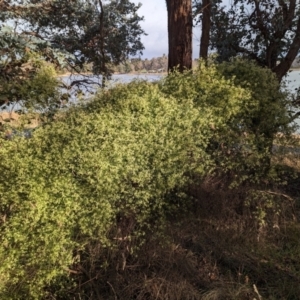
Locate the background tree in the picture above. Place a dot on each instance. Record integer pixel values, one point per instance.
(206, 10)
(180, 24)
(24, 74)
(267, 31)
(95, 32)
(202, 10)
(137, 64)
(162, 62)
(147, 64)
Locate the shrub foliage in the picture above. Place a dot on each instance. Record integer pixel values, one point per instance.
(104, 171)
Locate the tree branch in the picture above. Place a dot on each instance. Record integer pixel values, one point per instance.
(291, 12)
(285, 65)
(249, 54)
(260, 23)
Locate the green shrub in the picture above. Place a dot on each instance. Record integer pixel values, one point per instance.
(265, 116)
(268, 115)
(104, 172)
(248, 115)
(70, 184)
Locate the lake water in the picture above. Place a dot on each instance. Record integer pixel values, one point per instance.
(119, 78)
(293, 79)
(293, 82)
(89, 83)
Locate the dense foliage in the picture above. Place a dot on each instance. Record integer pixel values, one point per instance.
(67, 35)
(266, 31)
(32, 85)
(268, 111)
(111, 170)
(77, 177)
(244, 132)
(24, 75)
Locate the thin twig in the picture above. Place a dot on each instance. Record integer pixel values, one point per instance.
(116, 298)
(256, 291)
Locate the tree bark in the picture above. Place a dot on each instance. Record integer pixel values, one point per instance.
(204, 43)
(101, 45)
(180, 25)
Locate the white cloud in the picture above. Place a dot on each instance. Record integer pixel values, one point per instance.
(155, 25)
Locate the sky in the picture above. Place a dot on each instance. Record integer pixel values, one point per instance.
(155, 25)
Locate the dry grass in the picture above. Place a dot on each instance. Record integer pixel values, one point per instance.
(212, 254)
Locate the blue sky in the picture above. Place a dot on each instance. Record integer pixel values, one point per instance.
(155, 25)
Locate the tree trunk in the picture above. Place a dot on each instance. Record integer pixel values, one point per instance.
(206, 12)
(180, 25)
(104, 70)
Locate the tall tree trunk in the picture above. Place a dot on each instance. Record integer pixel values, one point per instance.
(180, 25)
(206, 12)
(101, 42)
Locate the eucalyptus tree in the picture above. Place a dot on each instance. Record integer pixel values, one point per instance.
(206, 7)
(180, 23)
(24, 74)
(202, 13)
(267, 31)
(100, 33)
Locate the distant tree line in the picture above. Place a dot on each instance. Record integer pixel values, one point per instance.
(133, 65)
(153, 65)
(139, 65)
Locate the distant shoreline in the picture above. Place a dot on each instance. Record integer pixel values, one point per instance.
(116, 73)
(134, 73)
